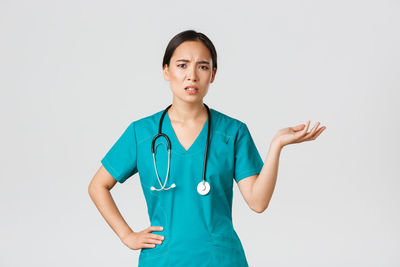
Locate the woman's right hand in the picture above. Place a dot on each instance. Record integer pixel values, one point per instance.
(143, 239)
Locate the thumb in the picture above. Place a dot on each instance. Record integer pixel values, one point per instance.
(299, 127)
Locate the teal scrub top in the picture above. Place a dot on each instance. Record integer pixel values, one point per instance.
(198, 229)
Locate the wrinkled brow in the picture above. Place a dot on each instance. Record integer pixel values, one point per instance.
(200, 61)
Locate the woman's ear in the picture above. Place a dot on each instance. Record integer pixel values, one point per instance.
(166, 72)
(213, 75)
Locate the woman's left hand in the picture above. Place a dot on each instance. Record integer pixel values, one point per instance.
(297, 134)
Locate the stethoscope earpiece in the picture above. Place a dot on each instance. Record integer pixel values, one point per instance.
(203, 187)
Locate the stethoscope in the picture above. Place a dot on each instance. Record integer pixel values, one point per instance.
(203, 187)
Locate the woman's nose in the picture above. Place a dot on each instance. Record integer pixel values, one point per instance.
(192, 75)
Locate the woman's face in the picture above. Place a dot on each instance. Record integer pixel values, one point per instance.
(190, 65)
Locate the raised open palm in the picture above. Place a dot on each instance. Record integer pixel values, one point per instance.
(298, 134)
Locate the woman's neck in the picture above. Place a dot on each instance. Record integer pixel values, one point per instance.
(184, 111)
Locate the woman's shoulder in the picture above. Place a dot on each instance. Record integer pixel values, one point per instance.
(145, 126)
(149, 119)
(225, 123)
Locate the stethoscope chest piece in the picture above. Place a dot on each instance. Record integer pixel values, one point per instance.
(203, 188)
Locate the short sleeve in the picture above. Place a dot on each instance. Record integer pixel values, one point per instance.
(121, 160)
(248, 161)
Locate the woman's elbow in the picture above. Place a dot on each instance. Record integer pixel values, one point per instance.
(259, 209)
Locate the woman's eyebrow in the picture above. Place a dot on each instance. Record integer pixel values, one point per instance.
(200, 61)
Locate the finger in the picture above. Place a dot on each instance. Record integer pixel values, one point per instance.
(307, 126)
(313, 131)
(145, 245)
(320, 130)
(153, 241)
(159, 237)
(298, 127)
(304, 132)
(155, 228)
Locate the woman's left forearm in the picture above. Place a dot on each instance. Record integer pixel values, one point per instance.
(264, 185)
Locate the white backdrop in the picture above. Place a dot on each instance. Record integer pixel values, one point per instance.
(74, 74)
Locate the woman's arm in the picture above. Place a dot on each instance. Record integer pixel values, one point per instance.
(99, 191)
(257, 190)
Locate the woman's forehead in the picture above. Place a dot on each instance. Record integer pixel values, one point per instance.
(192, 49)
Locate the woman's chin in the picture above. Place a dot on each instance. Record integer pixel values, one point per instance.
(192, 99)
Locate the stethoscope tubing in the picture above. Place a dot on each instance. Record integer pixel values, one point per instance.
(160, 134)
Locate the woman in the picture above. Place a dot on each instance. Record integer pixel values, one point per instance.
(188, 189)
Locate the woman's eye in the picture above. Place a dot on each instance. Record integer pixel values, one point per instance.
(183, 65)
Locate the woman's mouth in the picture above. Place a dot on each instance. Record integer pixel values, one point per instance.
(191, 90)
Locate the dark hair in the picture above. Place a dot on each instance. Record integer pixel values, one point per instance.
(189, 35)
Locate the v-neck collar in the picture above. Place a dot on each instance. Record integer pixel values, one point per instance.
(198, 144)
